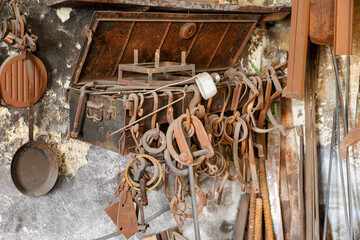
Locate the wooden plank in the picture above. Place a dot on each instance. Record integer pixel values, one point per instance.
(242, 215)
(311, 182)
(289, 151)
(273, 179)
(298, 48)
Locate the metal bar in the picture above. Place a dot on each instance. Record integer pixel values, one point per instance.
(165, 35)
(193, 203)
(343, 109)
(340, 107)
(298, 48)
(346, 117)
(174, 20)
(217, 47)
(332, 145)
(347, 83)
(344, 14)
(124, 47)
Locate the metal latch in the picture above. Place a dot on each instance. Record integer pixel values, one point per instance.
(94, 111)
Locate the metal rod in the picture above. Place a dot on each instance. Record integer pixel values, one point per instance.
(193, 203)
(329, 174)
(346, 117)
(337, 88)
(347, 86)
(339, 101)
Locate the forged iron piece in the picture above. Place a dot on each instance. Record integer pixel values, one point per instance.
(127, 222)
(156, 215)
(187, 156)
(171, 165)
(258, 219)
(252, 214)
(140, 208)
(151, 184)
(150, 135)
(193, 203)
(211, 145)
(266, 202)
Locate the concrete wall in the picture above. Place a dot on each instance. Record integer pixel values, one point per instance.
(74, 209)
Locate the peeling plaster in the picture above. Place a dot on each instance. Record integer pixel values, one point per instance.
(63, 14)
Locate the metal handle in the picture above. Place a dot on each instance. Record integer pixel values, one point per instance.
(31, 98)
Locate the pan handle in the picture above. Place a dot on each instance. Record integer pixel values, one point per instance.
(31, 98)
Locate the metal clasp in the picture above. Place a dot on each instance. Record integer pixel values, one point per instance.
(94, 111)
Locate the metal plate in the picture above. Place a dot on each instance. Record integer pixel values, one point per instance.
(14, 80)
(216, 44)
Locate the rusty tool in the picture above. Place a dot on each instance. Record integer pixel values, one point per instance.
(34, 167)
(127, 222)
(156, 215)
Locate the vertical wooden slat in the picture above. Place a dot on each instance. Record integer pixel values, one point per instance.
(298, 48)
(289, 151)
(311, 182)
(344, 14)
(242, 215)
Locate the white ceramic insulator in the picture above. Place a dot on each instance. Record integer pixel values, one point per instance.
(206, 85)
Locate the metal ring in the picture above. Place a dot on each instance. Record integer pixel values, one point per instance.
(172, 167)
(171, 149)
(154, 161)
(151, 133)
